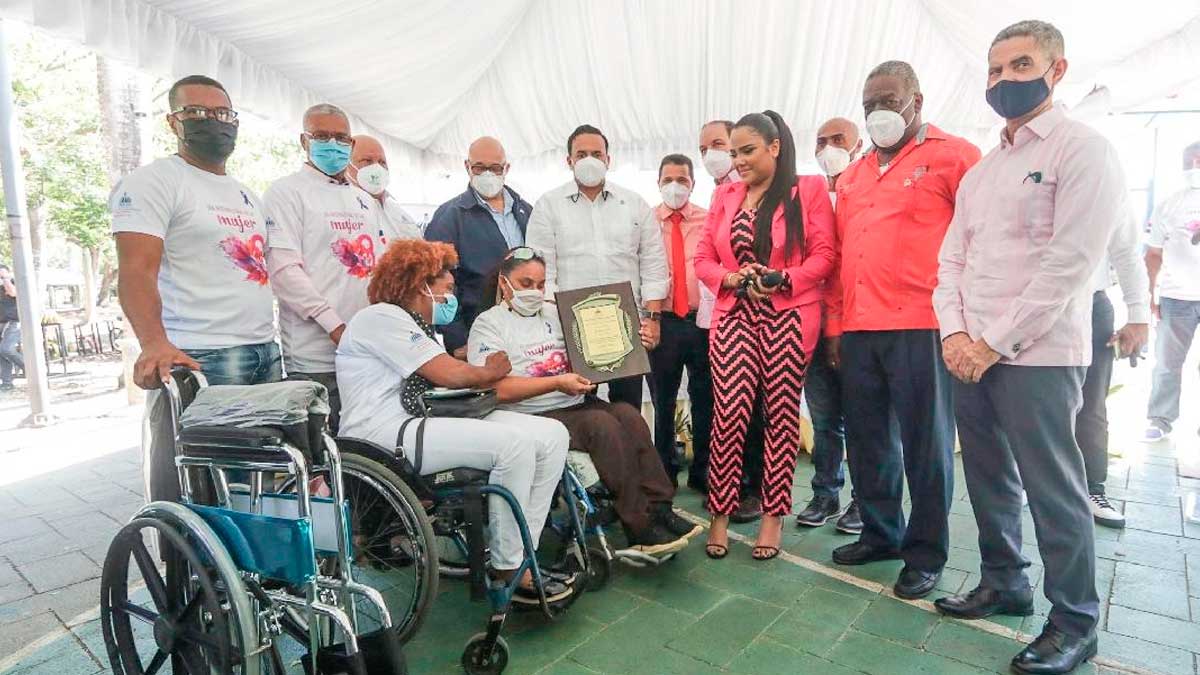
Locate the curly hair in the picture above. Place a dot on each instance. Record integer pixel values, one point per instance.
(406, 266)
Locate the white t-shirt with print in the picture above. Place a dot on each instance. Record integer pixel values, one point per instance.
(213, 277)
(335, 227)
(381, 348)
(534, 345)
(1175, 223)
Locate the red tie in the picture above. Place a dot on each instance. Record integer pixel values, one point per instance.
(679, 295)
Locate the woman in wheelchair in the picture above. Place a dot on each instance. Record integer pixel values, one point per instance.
(614, 435)
(389, 350)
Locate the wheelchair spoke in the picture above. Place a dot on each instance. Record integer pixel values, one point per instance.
(191, 604)
(160, 657)
(154, 581)
(138, 611)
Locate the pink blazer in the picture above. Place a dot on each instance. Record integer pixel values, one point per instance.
(808, 269)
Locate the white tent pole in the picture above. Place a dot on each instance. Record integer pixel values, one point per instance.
(28, 295)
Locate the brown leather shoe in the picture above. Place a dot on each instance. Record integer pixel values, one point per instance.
(748, 510)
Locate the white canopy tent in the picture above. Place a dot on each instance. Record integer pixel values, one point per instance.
(428, 76)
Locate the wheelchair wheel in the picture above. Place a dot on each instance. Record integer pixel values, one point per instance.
(478, 659)
(394, 548)
(599, 568)
(184, 620)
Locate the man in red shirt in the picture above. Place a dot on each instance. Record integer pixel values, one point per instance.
(893, 208)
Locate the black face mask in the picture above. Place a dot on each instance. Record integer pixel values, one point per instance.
(1012, 99)
(209, 140)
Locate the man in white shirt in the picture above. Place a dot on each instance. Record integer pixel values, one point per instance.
(325, 235)
(1091, 424)
(190, 242)
(369, 170)
(592, 232)
(1173, 260)
(191, 274)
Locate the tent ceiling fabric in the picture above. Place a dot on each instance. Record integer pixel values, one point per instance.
(431, 75)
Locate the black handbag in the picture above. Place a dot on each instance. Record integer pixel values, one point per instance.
(470, 403)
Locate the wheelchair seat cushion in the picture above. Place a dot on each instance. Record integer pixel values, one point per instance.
(456, 478)
(252, 438)
(296, 411)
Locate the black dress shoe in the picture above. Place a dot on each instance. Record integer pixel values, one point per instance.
(914, 583)
(1054, 652)
(982, 602)
(819, 511)
(748, 510)
(859, 553)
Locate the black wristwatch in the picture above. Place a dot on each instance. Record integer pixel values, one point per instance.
(654, 316)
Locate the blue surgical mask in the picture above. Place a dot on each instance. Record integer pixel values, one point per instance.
(330, 157)
(444, 311)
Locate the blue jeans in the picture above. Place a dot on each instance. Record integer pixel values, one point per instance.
(246, 364)
(823, 392)
(900, 425)
(10, 356)
(1175, 331)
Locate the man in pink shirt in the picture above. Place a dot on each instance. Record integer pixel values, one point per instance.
(1032, 222)
(682, 344)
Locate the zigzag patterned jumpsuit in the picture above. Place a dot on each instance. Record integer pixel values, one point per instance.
(757, 348)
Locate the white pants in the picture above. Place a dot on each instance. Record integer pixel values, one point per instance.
(524, 453)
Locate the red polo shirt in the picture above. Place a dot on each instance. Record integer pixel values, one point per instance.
(890, 228)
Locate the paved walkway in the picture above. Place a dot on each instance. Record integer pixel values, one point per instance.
(65, 490)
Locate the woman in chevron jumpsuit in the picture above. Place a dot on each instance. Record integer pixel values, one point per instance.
(767, 250)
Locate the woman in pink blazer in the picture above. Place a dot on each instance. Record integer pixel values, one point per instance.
(767, 249)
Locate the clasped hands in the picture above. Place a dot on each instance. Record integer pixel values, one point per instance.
(967, 359)
(754, 272)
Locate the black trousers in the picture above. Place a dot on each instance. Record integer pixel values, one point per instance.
(900, 425)
(1091, 424)
(684, 345)
(626, 390)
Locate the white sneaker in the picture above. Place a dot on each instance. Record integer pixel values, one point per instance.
(1154, 434)
(1104, 513)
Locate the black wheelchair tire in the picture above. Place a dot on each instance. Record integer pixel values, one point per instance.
(473, 661)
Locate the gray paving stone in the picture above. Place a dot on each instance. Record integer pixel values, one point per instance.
(51, 573)
(1144, 548)
(1154, 518)
(91, 528)
(45, 545)
(1151, 590)
(1155, 474)
(14, 591)
(1160, 630)
(1193, 572)
(44, 493)
(8, 573)
(70, 603)
(15, 636)
(12, 529)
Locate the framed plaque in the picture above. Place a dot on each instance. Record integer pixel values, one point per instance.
(600, 326)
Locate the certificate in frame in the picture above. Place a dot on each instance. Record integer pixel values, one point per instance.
(600, 326)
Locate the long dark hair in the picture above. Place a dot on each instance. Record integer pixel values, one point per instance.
(489, 296)
(771, 126)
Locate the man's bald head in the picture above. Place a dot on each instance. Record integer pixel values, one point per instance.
(839, 132)
(486, 150)
(367, 150)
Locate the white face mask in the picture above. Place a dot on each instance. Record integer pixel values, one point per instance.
(833, 160)
(527, 302)
(675, 194)
(1192, 176)
(589, 171)
(487, 184)
(373, 178)
(886, 127)
(718, 163)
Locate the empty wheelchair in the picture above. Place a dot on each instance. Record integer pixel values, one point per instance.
(251, 574)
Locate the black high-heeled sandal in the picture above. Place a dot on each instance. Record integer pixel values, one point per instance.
(716, 551)
(773, 552)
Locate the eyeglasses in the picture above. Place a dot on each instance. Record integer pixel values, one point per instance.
(521, 253)
(325, 136)
(199, 112)
(479, 169)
